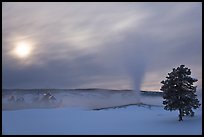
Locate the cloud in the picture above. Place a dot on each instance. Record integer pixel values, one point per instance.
(96, 44)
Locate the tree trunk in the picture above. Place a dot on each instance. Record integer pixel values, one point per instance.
(192, 113)
(180, 115)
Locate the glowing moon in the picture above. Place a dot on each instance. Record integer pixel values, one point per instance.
(22, 49)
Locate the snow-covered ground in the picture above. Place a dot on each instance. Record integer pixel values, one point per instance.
(130, 120)
(74, 115)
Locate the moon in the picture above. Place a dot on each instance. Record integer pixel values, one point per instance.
(22, 50)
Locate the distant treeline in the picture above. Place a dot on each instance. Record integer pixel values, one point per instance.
(154, 93)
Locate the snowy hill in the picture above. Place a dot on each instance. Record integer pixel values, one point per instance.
(92, 111)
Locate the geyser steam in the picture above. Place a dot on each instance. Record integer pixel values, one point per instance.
(135, 61)
(136, 70)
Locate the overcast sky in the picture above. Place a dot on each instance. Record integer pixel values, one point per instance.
(100, 45)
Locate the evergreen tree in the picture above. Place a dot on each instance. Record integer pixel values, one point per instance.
(179, 92)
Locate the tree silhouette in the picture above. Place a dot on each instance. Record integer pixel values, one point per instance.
(179, 92)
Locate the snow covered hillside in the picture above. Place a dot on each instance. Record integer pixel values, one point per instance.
(79, 112)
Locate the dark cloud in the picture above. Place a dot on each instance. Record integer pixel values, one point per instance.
(100, 44)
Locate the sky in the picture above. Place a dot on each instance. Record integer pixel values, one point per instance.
(123, 45)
